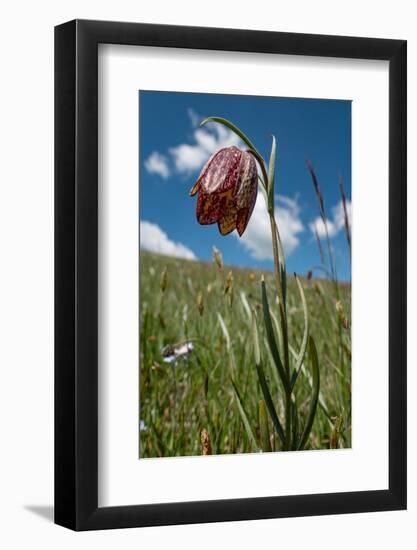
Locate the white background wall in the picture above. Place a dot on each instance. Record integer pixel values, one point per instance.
(26, 271)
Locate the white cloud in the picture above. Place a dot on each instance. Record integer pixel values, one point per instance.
(157, 164)
(318, 226)
(257, 237)
(339, 215)
(194, 117)
(335, 225)
(207, 140)
(154, 239)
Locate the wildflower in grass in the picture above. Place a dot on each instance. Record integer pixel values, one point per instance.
(174, 352)
(227, 188)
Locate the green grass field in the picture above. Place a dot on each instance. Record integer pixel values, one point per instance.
(185, 301)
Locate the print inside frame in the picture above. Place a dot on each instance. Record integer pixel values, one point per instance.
(197, 347)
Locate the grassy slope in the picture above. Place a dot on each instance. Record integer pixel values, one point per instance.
(178, 402)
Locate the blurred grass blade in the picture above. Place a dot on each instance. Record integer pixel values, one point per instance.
(271, 338)
(234, 129)
(319, 244)
(256, 349)
(317, 190)
(303, 348)
(284, 283)
(309, 379)
(244, 416)
(224, 330)
(245, 304)
(277, 330)
(271, 175)
(263, 427)
(315, 397)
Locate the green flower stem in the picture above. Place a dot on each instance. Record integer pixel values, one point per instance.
(276, 246)
(282, 309)
(276, 258)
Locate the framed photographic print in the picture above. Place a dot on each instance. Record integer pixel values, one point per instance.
(230, 235)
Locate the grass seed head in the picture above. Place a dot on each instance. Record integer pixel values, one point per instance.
(205, 442)
(200, 303)
(217, 257)
(341, 314)
(228, 289)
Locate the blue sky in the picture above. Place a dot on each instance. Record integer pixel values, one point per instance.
(173, 149)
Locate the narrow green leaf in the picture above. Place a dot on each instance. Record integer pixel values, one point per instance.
(278, 334)
(271, 175)
(256, 349)
(294, 423)
(277, 379)
(309, 379)
(234, 129)
(270, 405)
(303, 347)
(277, 331)
(271, 338)
(244, 416)
(263, 427)
(315, 397)
(263, 383)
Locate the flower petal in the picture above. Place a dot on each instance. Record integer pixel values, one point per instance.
(242, 220)
(195, 188)
(227, 223)
(197, 184)
(223, 171)
(210, 207)
(248, 181)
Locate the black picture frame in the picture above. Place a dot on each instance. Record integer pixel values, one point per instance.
(76, 272)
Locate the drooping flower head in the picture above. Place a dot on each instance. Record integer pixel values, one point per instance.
(227, 187)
